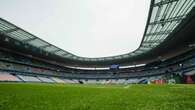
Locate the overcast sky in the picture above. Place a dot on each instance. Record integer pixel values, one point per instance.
(88, 28)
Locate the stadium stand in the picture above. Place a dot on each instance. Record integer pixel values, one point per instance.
(46, 79)
(183, 63)
(69, 81)
(57, 80)
(4, 76)
(28, 78)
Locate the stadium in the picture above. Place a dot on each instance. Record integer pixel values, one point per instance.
(158, 75)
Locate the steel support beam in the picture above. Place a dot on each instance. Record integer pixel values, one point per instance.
(163, 2)
(158, 33)
(45, 46)
(28, 40)
(163, 21)
(9, 30)
(56, 51)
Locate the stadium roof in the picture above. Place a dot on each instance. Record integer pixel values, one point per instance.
(164, 16)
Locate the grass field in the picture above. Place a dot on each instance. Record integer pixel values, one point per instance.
(21, 96)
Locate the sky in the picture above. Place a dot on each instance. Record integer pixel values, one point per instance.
(87, 28)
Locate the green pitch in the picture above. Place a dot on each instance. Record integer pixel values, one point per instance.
(21, 96)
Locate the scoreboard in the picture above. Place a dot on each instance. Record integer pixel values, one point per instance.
(114, 67)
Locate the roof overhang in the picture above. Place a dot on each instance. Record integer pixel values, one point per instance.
(163, 19)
